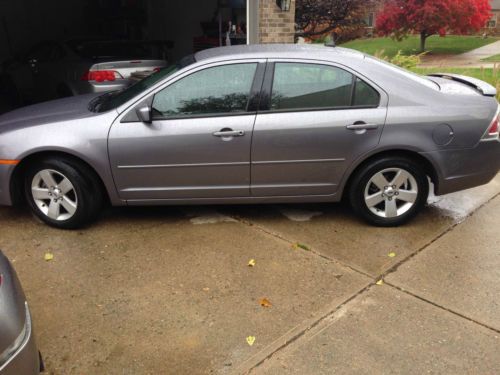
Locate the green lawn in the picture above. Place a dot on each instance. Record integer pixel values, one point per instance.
(489, 75)
(449, 45)
(495, 58)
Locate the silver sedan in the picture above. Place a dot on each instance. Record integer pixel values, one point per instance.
(255, 124)
(18, 352)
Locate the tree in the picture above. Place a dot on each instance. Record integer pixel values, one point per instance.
(399, 18)
(319, 17)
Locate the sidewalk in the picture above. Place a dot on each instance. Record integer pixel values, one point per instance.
(438, 312)
(471, 59)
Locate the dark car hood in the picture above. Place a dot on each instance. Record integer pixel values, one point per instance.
(49, 112)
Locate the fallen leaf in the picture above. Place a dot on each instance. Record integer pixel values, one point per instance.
(391, 255)
(380, 282)
(264, 302)
(48, 257)
(250, 340)
(301, 246)
(251, 263)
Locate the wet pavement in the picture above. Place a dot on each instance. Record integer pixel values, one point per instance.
(169, 290)
(471, 59)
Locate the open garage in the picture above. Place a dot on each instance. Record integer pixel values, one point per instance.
(43, 44)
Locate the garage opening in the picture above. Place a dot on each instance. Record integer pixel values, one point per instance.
(54, 48)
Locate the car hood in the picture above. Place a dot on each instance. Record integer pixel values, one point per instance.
(49, 112)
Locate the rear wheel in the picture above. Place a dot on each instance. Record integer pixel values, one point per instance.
(389, 191)
(63, 193)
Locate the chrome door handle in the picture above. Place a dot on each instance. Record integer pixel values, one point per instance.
(362, 126)
(229, 133)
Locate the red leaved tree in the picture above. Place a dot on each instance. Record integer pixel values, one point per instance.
(399, 18)
(319, 17)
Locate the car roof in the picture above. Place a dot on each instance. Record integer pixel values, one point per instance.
(309, 51)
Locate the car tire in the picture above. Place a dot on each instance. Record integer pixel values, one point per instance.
(389, 191)
(63, 193)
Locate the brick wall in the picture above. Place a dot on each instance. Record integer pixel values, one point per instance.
(276, 26)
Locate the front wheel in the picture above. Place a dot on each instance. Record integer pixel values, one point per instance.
(389, 192)
(62, 193)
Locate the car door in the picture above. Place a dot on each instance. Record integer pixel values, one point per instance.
(315, 120)
(198, 144)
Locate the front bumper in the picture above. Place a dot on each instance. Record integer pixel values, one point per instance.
(26, 360)
(465, 169)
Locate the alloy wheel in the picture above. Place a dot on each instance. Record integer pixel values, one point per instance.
(54, 195)
(391, 192)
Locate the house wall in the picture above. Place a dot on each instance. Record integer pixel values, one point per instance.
(496, 29)
(276, 26)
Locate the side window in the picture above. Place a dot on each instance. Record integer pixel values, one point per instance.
(302, 86)
(218, 90)
(365, 95)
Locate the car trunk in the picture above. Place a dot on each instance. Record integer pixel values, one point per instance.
(458, 84)
(126, 67)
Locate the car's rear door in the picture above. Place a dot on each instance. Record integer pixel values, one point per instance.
(198, 145)
(316, 118)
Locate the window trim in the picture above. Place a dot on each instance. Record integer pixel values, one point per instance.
(267, 89)
(146, 96)
(209, 115)
(256, 84)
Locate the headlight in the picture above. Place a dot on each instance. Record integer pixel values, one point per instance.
(23, 337)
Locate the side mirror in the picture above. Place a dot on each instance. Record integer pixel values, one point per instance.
(144, 113)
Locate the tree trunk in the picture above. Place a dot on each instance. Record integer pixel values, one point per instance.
(423, 38)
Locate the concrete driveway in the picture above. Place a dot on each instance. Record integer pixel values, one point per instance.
(169, 290)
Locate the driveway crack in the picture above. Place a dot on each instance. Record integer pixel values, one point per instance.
(442, 307)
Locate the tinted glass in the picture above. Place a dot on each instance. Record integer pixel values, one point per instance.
(398, 70)
(219, 90)
(365, 95)
(301, 86)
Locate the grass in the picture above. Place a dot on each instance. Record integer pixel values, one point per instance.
(490, 75)
(449, 45)
(495, 58)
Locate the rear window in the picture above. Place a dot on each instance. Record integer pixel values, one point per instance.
(409, 75)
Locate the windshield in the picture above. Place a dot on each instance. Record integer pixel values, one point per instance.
(115, 99)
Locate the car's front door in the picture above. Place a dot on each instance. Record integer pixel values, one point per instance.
(198, 144)
(316, 121)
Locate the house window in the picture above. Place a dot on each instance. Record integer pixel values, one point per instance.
(370, 19)
(492, 23)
